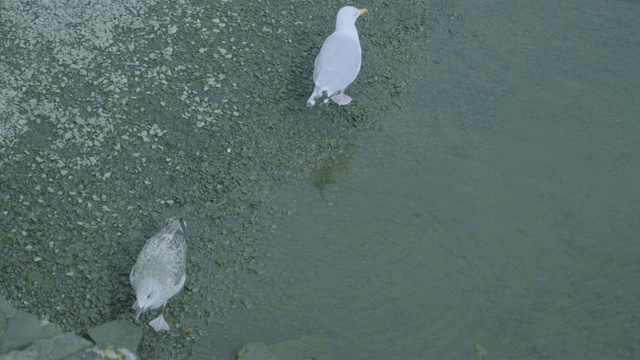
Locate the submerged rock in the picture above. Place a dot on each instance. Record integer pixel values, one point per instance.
(307, 347)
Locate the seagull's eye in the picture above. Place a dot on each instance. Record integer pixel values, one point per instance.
(148, 296)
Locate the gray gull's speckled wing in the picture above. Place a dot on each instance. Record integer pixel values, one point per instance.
(159, 272)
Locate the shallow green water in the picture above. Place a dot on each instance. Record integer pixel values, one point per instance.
(495, 215)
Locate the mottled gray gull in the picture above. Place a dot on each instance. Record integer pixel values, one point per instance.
(159, 272)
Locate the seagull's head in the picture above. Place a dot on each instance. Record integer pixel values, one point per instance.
(348, 15)
(147, 297)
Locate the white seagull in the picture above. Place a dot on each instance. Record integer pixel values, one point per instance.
(338, 62)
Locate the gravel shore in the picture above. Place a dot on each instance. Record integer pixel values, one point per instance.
(115, 115)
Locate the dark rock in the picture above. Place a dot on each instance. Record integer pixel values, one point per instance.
(56, 348)
(22, 329)
(120, 333)
(6, 310)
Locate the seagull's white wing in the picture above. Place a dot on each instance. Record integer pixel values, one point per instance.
(338, 62)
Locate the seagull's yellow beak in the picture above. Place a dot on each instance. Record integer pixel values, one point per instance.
(363, 11)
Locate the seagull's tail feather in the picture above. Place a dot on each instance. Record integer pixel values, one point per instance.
(317, 92)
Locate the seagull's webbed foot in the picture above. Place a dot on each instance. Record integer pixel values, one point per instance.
(159, 324)
(341, 98)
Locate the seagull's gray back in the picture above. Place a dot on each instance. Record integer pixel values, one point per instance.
(163, 260)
